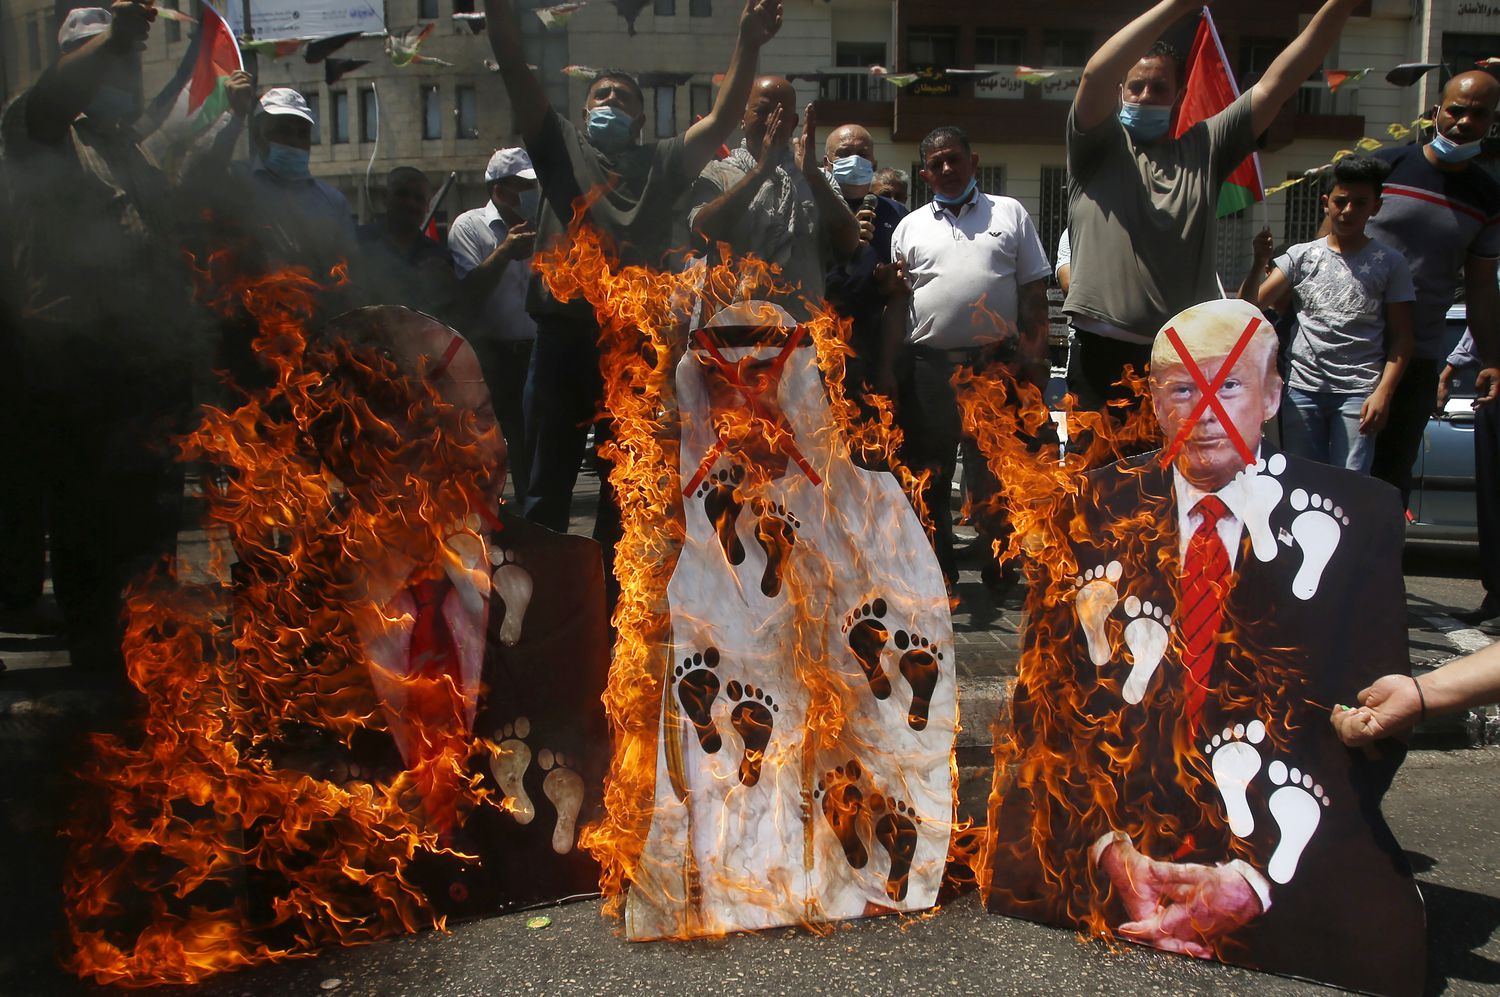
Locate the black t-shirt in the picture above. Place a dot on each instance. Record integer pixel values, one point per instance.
(639, 214)
(850, 286)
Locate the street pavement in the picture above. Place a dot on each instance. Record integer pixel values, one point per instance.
(1444, 807)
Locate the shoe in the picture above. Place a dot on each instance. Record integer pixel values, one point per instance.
(1488, 610)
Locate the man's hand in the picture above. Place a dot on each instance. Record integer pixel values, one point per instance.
(1263, 247)
(866, 219)
(519, 241)
(239, 87)
(131, 25)
(1444, 380)
(890, 280)
(1207, 903)
(759, 22)
(807, 144)
(1487, 386)
(1391, 706)
(1374, 413)
(778, 131)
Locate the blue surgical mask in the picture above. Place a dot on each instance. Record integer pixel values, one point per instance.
(1449, 151)
(949, 202)
(286, 161)
(527, 201)
(1146, 122)
(852, 171)
(113, 106)
(609, 128)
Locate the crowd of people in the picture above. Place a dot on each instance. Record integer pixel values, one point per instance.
(105, 356)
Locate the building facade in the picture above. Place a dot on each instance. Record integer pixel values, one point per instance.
(449, 119)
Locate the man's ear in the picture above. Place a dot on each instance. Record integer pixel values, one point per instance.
(974, 161)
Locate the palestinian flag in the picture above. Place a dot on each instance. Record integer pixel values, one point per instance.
(1211, 88)
(194, 98)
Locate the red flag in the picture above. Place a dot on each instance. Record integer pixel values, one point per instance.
(218, 56)
(1211, 88)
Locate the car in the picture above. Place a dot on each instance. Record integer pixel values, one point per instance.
(1442, 504)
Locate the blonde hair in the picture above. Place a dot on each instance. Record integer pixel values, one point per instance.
(1211, 330)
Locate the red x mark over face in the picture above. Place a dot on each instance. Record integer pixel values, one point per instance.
(759, 398)
(1210, 395)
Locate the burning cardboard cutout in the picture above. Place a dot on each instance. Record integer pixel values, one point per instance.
(1168, 775)
(803, 770)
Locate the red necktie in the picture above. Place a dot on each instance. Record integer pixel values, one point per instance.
(1205, 585)
(433, 651)
(433, 707)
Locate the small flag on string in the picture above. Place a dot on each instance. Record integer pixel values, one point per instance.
(1489, 63)
(278, 48)
(1408, 73)
(581, 72)
(1336, 78)
(335, 69)
(559, 15)
(321, 48)
(404, 48)
(897, 80)
(176, 15)
(1030, 74)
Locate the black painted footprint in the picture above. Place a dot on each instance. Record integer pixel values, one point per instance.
(919, 666)
(721, 504)
(867, 639)
(896, 830)
(697, 687)
(776, 529)
(842, 803)
(752, 719)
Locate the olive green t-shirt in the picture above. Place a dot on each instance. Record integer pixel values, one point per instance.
(639, 214)
(1141, 217)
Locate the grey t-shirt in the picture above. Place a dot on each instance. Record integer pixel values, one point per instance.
(1339, 341)
(780, 226)
(1142, 216)
(638, 214)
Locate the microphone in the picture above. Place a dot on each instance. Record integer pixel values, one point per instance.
(869, 201)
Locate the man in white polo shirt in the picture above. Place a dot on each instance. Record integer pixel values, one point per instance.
(491, 247)
(977, 276)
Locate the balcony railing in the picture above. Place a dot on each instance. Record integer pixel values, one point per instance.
(1314, 97)
(854, 84)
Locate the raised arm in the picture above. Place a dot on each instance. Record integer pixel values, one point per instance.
(759, 23)
(65, 89)
(1296, 63)
(528, 101)
(1484, 322)
(1098, 95)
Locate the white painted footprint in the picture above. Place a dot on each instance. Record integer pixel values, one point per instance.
(513, 586)
(564, 788)
(1235, 763)
(1146, 637)
(1262, 494)
(1297, 807)
(509, 760)
(1097, 598)
(465, 566)
(1317, 531)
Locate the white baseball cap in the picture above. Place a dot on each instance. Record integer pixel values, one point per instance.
(509, 163)
(81, 24)
(285, 100)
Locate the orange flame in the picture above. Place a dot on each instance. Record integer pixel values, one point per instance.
(208, 842)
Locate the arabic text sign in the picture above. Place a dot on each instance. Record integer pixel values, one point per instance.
(271, 20)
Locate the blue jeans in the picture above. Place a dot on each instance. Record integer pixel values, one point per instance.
(1324, 426)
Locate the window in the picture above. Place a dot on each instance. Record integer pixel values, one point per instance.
(427, 10)
(315, 107)
(467, 111)
(701, 97)
(338, 119)
(1066, 48)
(174, 30)
(999, 48)
(991, 179)
(1304, 210)
(1255, 55)
(665, 111)
(463, 7)
(854, 86)
(932, 48)
(369, 116)
(920, 193)
(665, 8)
(1053, 216)
(432, 112)
(1232, 254)
(700, 8)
